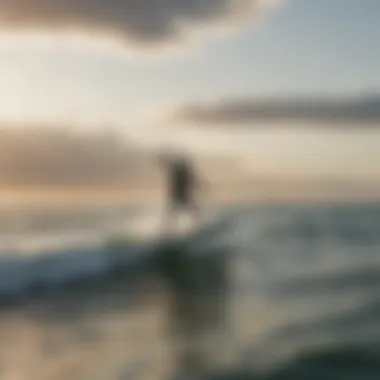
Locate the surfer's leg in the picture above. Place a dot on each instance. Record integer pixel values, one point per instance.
(168, 219)
(194, 211)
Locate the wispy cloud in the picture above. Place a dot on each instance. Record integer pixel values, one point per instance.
(148, 22)
(339, 111)
(38, 156)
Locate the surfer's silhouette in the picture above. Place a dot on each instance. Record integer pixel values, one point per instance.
(182, 185)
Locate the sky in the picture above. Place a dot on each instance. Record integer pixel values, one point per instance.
(130, 65)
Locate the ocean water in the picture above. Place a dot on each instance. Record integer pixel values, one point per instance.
(303, 299)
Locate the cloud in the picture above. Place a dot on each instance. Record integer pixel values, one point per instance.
(138, 21)
(39, 156)
(366, 109)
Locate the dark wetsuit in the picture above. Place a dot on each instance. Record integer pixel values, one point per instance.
(181, 183)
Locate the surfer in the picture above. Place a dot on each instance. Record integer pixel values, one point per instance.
(182, 183)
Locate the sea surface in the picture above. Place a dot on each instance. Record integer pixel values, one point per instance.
(303, 299)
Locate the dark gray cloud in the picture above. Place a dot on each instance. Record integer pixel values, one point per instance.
(366, 109)
(141, 21)
(38, 156)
